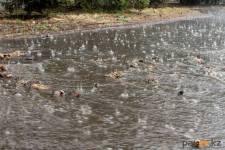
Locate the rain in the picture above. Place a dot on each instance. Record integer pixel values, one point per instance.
(135, 87)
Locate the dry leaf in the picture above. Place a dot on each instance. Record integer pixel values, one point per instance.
(177, 72)
(152, 80)
(115, 74)
(6, 75)
(2, 68)
(58, 93)
(40, 86)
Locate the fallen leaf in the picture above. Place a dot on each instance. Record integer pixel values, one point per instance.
(152, 80)
(40, 86)
(177, 72)
(115, 74)
(2, 68)
(6, 75)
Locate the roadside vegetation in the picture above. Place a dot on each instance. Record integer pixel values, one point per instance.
(22, 18)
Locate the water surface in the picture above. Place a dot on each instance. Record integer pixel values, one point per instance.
(126, 113)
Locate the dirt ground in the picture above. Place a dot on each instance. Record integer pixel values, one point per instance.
(58, 21)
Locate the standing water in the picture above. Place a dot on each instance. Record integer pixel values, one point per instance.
(124, 113)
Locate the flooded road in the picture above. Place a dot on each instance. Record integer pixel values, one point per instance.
(124, 113)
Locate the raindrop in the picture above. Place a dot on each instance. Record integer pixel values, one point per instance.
(71, 69)
(18, 95)
(28, 53)
(82, 47)
(172, 55)
(39, 54)
(55, 41)
(111, 52)
(124, 95)
(117, 112)
(7, 133)
(95, 48)
(52, 53)
(160, 60)
(59, 53)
